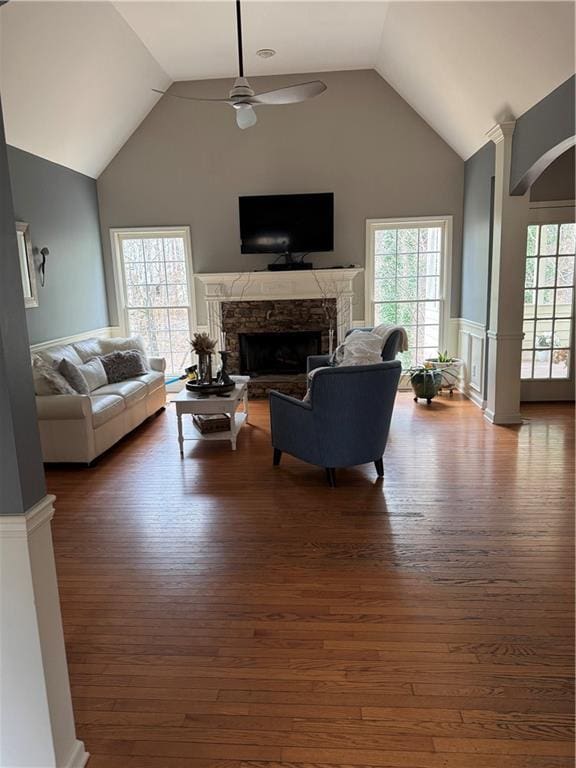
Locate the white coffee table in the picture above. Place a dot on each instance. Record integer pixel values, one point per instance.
(192, 403)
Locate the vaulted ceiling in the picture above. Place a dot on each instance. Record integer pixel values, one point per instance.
(76, 77)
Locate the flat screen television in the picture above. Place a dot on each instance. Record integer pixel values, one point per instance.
(287, 224)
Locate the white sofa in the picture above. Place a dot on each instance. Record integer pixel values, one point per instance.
(78, 428)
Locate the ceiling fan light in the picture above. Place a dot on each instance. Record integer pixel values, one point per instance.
(245, 116)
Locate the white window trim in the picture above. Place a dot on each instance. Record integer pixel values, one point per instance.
(118, 266)
(372, 225)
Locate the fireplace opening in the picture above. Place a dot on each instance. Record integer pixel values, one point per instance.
(263, 354)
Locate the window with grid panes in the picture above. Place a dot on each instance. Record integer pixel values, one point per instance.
(408, 286)
(548, 301)
(156, 294)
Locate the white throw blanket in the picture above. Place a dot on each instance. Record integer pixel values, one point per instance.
(365, 347)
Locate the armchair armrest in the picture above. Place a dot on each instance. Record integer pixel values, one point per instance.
(157, 364)
(316, 361)
(60, 407)
(280, 396)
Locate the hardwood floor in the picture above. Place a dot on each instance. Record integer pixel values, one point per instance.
(220, 612)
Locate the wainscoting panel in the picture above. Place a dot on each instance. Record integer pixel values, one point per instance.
(100, 333)
(471, 347)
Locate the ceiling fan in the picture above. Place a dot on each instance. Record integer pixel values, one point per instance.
(243, 99)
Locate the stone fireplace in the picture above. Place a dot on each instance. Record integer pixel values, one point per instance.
(270, 340)
(279, 306)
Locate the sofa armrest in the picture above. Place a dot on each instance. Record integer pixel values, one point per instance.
(61, 407)
(157, 364)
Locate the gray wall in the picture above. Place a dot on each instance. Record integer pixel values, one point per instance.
(188, 163)
(21, 471)
(547, 125)
(478, 173)
(558, 180)
(61, 207)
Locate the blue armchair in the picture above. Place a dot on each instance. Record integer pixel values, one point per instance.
(389, 351)
(344, 422)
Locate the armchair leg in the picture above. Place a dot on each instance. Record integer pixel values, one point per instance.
(277, 457)
(331, 476)
(379, 464)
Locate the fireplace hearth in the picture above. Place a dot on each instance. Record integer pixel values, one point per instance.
(283, 352)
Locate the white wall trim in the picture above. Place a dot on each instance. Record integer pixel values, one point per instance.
(37, 716)
(472, 351)
(102, 333)
(20, 526)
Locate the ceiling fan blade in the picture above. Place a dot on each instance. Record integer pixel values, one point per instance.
(290, 95)
(190, 98)
(245, 116)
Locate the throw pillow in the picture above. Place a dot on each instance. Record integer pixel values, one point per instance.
(123, 345)
(94, 373)
(120, 366)
(73, 376)
(48, 381)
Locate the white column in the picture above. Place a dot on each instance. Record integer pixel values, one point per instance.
(36, 717)
(507, 288)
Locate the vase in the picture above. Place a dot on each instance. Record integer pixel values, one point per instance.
(426, 384)
(223, 377)
(205, 368)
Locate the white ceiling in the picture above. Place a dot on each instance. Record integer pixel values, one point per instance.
(76, 77)
(75, 81)
(467, 65)
(197, 40)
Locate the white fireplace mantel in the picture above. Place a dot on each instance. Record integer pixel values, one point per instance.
(277, 286)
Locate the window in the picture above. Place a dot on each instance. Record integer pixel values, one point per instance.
(153, 277)
(407, 281)
(548, 301)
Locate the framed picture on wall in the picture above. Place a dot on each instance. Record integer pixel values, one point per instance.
(27, 266)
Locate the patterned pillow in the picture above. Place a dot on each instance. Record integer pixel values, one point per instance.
(120, 366)
(48, 381)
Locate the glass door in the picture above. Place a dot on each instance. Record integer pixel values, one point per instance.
(548, 346)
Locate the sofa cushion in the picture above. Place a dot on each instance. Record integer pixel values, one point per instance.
(121, 345)
(131, 390)
(87, 349)
(153, 380)
(105, 407)
(53, 355)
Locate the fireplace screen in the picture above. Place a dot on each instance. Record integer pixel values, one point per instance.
(263, 354)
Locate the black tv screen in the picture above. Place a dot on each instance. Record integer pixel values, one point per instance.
(287, 223)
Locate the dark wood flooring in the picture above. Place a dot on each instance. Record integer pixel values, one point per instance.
(222, 613)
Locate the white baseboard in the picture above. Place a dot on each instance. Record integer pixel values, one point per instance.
(102, 333)
(78, 757)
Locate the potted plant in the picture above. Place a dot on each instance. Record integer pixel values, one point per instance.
(426, 380)
(450, 368)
